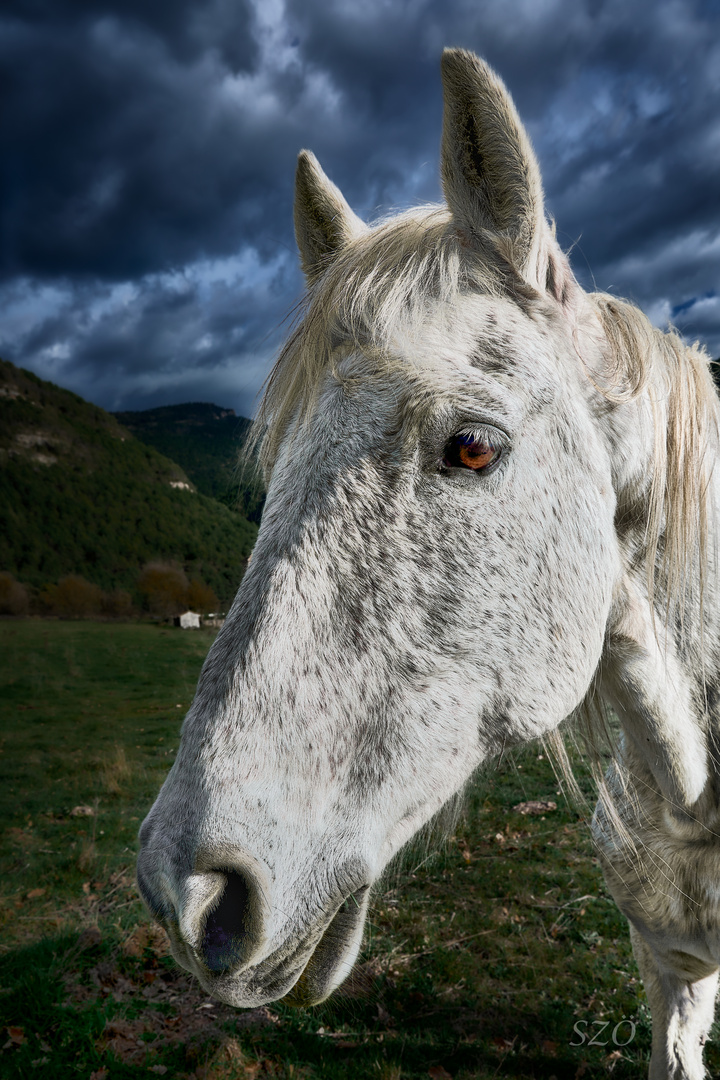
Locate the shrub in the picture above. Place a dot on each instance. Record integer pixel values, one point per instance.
(117, 604)
(201, 598)
(72, 598)
(13, 596)
(164, 588)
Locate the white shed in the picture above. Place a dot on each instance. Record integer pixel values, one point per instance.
(189, 620)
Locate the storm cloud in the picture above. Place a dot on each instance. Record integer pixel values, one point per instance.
(148, 154)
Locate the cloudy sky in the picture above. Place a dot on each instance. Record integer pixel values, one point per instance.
(148, 151)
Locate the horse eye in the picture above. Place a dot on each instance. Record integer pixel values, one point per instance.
(472, 450)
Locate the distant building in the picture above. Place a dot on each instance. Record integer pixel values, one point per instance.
(189, 620)
(215, 619)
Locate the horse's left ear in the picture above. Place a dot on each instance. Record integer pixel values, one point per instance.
(324, 223)
(490, 175)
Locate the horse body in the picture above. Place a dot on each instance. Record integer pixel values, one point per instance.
(490, 501)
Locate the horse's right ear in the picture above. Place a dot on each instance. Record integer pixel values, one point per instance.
(324, 223)
(490, 175)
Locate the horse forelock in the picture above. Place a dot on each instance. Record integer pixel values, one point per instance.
(385, 278)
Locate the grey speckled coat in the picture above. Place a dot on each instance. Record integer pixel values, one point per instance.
(491, 501)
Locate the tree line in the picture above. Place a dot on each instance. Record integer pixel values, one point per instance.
(162, 589)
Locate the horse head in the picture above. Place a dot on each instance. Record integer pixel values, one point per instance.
(435, 570)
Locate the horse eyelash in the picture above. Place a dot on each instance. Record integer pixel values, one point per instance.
(487, 431)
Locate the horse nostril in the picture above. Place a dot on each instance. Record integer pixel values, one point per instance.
(227, 926)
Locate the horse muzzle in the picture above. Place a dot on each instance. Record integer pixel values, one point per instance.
(223, 928)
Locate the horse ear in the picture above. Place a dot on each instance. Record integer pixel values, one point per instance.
(324, 223)
(490, 174)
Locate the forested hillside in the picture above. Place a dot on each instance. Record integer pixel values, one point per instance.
(206, 441)
(80, 495)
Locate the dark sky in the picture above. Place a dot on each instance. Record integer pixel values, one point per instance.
(148, 150)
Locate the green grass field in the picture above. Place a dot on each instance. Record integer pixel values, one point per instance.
(494, 953)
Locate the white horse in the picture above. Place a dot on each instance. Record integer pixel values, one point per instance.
(490, 503)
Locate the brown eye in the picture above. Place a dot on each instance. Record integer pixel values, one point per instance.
(472, 450)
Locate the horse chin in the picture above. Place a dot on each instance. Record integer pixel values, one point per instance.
(332, 958)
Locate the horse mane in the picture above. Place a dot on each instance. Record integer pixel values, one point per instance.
(670, 513)
(686, 418)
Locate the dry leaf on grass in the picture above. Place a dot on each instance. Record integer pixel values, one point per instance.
(503, 1044)
(89, 938)
(229, 1061)
(384, 1016)
(536, 806)
(19, 836)
(123, 1039)
(147, 936)
(259, 1017)
(17, 1037)
(436, 1072)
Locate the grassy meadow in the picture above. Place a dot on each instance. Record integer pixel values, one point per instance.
(493, 953)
